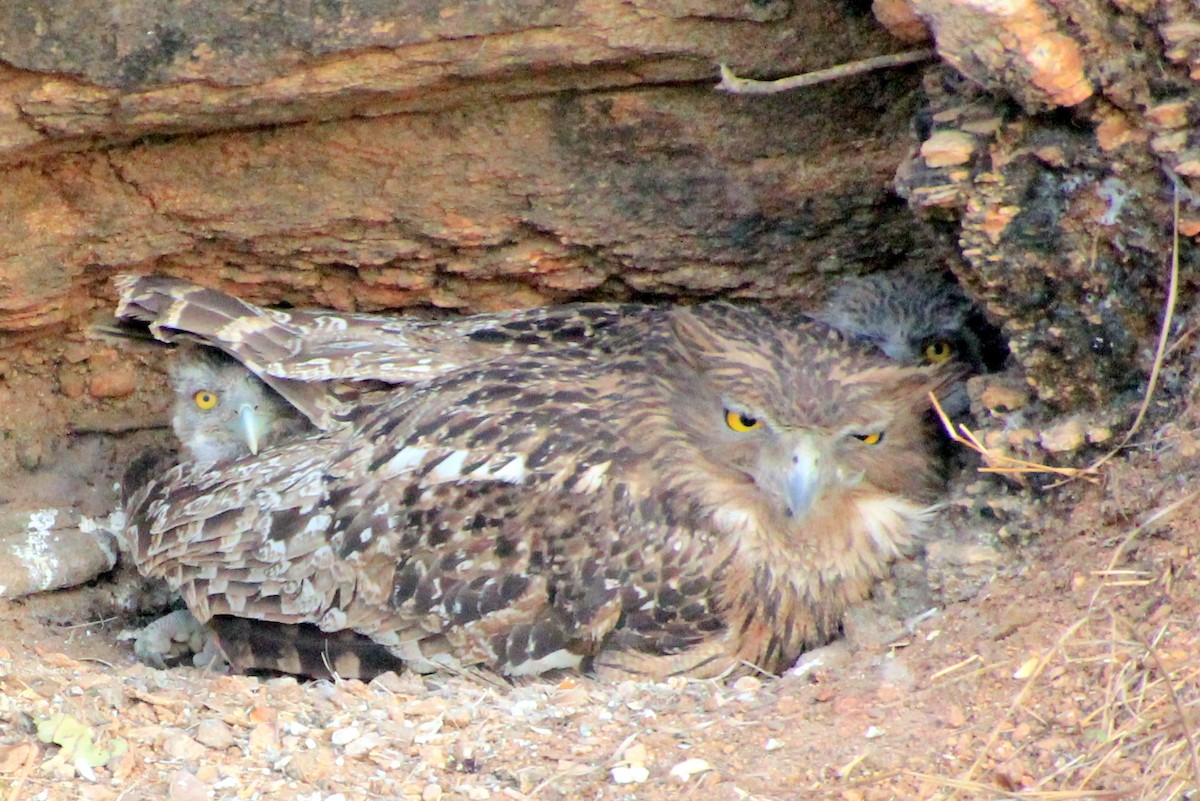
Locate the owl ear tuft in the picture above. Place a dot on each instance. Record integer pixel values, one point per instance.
(715, 333)
(693, 332)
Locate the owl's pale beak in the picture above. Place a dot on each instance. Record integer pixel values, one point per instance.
(252, 425)
(804, 476)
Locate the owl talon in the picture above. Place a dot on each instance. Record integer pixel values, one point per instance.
(171, 639)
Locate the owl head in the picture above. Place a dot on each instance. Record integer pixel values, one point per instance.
(790, 422)
(913, 318)
(223, 411)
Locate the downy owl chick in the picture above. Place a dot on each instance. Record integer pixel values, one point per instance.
(913, 318)
(223, 411)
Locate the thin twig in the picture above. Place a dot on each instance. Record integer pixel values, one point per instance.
(956, 666)
(746, 86)
(995, 462)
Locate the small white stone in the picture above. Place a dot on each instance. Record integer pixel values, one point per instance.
(523, 708)
(630, 774)
(1027, 668)
(772, 744)
(363, 744)
(747, 684)
(689, 768)
(344, 736)
(873, 732)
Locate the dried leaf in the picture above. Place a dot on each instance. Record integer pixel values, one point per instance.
(13, 757)
(77, 743)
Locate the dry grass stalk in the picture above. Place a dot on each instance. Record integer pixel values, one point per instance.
(1139, 741)
(946, 671)
(994, 461)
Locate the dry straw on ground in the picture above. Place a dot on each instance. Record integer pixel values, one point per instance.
(1140, 731)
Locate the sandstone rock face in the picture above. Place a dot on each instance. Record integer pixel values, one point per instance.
(463, 156)
(368, 155)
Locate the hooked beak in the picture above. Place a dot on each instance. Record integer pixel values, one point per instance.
(805, 478)
(253, 426)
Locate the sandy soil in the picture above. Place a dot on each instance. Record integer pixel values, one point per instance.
(1066, 662)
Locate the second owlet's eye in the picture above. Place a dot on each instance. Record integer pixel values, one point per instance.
(938, 351)
(740, 421)
(870, 439)
(204, 399)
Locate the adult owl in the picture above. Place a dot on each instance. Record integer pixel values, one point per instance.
(682, 491)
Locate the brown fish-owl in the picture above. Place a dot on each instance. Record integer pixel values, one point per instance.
(647, 490)
(223, 411)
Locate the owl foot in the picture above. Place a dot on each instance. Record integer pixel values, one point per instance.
(171, 639)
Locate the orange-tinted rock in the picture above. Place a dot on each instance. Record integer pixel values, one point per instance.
(1017, 45)
(115, 382)
(1168, 115)
(901, 20)
(946, 148)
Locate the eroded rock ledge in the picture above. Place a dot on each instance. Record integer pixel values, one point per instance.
(379, 155)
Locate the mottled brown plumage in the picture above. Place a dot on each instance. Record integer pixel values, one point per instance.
(656, 491)
(329, 364)
(309, 368)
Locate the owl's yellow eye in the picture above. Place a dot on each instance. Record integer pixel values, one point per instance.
(740, 421)
(938, 351)
(205, 400)
(870, 439)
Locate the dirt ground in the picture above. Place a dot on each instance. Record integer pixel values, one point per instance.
(1060, 661)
